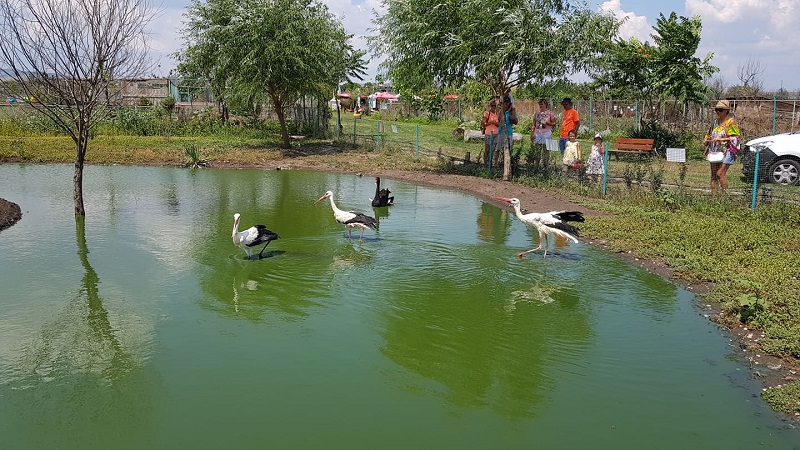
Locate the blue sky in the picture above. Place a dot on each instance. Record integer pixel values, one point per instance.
(764, 31)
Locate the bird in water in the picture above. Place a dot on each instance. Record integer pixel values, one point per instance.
(553, 222)
(351, 219)
(381, 195)
(252, 237)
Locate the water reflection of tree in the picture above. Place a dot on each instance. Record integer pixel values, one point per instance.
(493, 224)
(79, 371)
(484, 357)
(120, 362)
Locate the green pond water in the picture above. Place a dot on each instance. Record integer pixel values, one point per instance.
(145, 327)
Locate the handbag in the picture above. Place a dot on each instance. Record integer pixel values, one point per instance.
(715, 157)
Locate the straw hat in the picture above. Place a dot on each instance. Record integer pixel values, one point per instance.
(723, 104)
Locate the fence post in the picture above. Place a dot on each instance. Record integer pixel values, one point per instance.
(605, 168)
(354, 130)
(755, 182)
(417, 145)
(591, 110)
(377, 135)
(636, 123)
(774, 114)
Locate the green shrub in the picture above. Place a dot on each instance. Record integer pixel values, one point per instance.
(663, 137)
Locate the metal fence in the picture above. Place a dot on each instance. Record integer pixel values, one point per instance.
(667, 172)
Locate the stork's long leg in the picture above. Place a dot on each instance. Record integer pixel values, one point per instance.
(361, 235)
(262, 250)
(350, 233)
(546, 243)
(519, 255)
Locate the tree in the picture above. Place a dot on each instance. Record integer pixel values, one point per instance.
(430, 44)
(245, 49)
(750, 73)
(87, 51)
(665, 69)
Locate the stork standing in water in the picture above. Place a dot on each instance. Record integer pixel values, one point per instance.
(553, 222)
(381, 195)
(252, 237)
(351, 219)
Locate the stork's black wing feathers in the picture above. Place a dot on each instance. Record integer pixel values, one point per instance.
(570, 216)
(370, 222)
(264, 235)
(564, 226)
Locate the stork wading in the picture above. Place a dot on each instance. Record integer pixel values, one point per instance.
(252, 237)
(351, 219)
(553, 222)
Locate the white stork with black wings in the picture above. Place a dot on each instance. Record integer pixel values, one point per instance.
(553, 222)
(252, 237)
(351, 219)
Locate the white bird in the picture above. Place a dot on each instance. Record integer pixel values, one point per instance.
(553, 222)
(351, 219)
(251, 237)
(382, 197)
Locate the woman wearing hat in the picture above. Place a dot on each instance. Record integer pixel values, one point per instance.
(722, 137)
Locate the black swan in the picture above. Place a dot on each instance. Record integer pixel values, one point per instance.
(381, 195)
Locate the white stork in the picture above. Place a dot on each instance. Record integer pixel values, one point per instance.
(381, 195)
(350, 219)
(553, 222)
(251, 237)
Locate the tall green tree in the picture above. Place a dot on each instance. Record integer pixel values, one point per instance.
(429, 44)
(275, 50)
(72, 58)
(501, 44)
(665, 69)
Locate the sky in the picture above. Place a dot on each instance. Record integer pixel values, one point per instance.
(736, 31)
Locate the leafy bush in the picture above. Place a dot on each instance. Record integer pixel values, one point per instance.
(663, 137)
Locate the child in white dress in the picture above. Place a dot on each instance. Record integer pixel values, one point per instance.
(572, 153)
(594, 166)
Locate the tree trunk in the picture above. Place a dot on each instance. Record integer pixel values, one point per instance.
(282, 120)
(77, 179)
(507, 158)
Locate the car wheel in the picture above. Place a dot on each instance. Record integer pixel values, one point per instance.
(785, 172)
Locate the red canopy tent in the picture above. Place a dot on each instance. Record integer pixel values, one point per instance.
(384, 96)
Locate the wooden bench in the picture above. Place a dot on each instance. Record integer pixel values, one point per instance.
(633, 145)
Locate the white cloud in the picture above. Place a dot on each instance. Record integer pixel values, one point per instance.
(632, 25)
(763, 30)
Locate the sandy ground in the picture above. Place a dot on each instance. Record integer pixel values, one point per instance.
(771, 370)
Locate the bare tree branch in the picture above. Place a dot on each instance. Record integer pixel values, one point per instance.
(69, 57)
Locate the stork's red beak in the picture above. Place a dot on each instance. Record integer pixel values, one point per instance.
(320, 199)
(507, 200)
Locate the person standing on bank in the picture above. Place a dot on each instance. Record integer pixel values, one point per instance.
(541, 132)
(489, 123)
(569, 121)
(594, 165)
(722, 137)
(508, 119)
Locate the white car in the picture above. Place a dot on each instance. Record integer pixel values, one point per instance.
(779, 161)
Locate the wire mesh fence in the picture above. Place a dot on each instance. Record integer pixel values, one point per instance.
(671, 171)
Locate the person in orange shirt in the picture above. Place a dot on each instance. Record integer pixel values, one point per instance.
(489, 127)
(569, 121)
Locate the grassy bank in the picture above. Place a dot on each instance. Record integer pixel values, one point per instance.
(753, 259)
